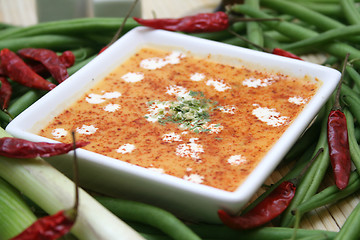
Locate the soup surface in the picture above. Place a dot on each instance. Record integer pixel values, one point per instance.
(193, 118)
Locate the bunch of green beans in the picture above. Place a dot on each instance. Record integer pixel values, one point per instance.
(326, 27)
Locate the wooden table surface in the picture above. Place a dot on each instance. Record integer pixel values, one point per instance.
(23, 13)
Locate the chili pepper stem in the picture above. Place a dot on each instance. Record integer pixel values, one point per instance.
(76, 178)
(297, 179)
(249, 42)
(118, 32)
(338, 90)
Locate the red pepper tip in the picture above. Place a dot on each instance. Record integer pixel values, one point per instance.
(80, 144)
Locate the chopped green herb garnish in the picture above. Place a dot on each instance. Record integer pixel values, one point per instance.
(190, 111)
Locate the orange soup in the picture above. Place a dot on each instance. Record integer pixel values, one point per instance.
(190, 117)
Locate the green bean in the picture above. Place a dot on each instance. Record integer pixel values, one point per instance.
(71, 70)
(253, 29)
(238, 27)
(4, 119)
(82, 54)
(77, 26)
(329, 195)
(350, 11)
(271, 43)
(151, 215)
(286, 28)
(317, 1)
(326, 37)
(222, 232)
(329, 9)
(354, 146)
(350, 229)
(154, 237)
(291, 30)
(144, 228)
(216, 36)
(6, 26)
(351, 100)
(311, 181)
(277, 36)
(235, 41)
(54, 42)
(354, 75)
(304, 142)
(296, 32)
(312, 17)
(24, 102)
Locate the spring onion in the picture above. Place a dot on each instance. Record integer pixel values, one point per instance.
(52, 191)
(15, 215)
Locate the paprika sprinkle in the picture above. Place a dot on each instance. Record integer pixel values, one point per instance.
(21, 148)
(338, 142)
(49, 59)
(17, 70)
(269, 208)
(202, 22)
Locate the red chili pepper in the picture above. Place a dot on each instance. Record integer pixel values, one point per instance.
(16, 69)
(339, 148)
(271, 207)
(281, 52)
(48, 228)
(67, 58)
(338, 142)
(2, 73)
(5, 93)
(202, 22)
(49, 59)
(21, 148)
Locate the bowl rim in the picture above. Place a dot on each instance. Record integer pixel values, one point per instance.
(138, 36)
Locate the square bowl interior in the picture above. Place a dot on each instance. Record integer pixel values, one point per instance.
(117, 178)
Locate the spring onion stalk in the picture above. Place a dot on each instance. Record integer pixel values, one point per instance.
(52, 191)
(15, 215)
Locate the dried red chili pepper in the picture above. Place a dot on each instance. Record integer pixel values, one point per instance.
(338, 142)
(49, 227)
(49, 59)
(17, 70)
(281, 52)
(5, 93)
(270, 207)
(21, 148)
(202, 22)
(67, 58)
(2, 73)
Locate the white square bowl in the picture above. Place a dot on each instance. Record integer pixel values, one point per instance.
(117, 178)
